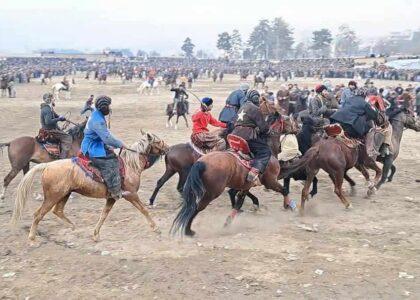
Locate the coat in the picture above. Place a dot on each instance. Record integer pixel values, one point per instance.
(49, 118)
(235, 100)
(357, 113)
(251, 124)
(97, 136)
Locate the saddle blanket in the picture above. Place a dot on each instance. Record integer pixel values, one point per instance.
(85, 164)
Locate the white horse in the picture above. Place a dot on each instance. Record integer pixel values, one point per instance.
(147, 88)
(58, 87)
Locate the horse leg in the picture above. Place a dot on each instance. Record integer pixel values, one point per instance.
(387, 166)
(9, 177)
(105, 211)
(168, 122)
(176, 123)
(58, 210)
(165, 177)
(186, 121)
(337, 179)
(305, 191)
(314, 190)
(46, 206)
(393, 170)
(351, 182)
(236, 209)
(286, 200)
(362, 169)
(181, 181)
(254, 200)
(232, 196)
(134, 199)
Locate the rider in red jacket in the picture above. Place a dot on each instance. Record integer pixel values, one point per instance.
(201, 136)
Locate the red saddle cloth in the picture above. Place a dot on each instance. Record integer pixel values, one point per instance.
(240, 149)
(337, 132)
(47, 141)
(333, 130)
(85, 164)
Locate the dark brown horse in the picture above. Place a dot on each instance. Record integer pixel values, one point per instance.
(26, 149)
(181, 111)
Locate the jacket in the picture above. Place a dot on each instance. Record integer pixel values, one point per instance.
(202, 119)
(235, 100)
(357, 113)
(49, 118)
(250, 124)
(317, 106)
(97, 136)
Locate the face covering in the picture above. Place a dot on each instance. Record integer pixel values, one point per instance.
(105, 110)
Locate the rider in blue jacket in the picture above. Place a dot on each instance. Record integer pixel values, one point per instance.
(97, 144)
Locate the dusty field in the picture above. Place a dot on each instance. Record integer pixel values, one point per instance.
(355, 254)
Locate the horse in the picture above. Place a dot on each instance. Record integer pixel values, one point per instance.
(212, 173)
(181, 110)
(102, 78)
(26, 149)
(334, 157)
(58, 87)
(399, 120)
(148, 88)
(60, 178)
(258, 79)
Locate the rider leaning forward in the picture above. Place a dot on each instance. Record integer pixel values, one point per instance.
(49, 124)
(252, 127)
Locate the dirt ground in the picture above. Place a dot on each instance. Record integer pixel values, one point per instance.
(369, 252)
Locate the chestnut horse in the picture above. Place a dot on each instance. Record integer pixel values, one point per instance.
(26, 149)
(209, 177)
(60, 178)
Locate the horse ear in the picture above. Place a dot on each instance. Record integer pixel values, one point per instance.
(149, 137)
(141, 131)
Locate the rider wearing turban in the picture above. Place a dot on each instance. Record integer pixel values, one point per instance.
(201, 136)
(252, 127)
(49, 123)
(98, 144)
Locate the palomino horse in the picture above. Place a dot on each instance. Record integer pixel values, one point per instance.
(59, 87)
(60, 178)
(26, 149)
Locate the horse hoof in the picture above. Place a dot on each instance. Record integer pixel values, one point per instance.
(349, 206)
(156, 230)
(2, 197)
(167, 125)
(33, 243)
(96, 238)
(255, 208)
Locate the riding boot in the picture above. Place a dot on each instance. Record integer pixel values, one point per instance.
(253, 176)
(385, 150)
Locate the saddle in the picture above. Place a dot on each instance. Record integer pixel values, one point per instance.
(49, 143)
(90, 171)
(337, 132)
(240, 149)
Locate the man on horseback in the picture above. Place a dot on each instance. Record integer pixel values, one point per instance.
(49, 120)
(318, 107)
(180, 96)
(201, 136)
(252, 127)
(97, 145)
(233, 103)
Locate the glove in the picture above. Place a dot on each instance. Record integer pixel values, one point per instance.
(61, 118)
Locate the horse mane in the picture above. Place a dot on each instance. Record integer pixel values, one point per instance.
(132, 159)
(76, 132)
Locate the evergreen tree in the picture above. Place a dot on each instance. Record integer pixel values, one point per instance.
(188, 48)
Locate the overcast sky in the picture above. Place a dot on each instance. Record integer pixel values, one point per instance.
(162, 25)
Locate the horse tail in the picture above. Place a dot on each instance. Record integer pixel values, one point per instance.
(23, 191)
(193, 191)
(296, 166)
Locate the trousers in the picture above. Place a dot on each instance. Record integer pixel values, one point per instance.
(109, 168)
(262, 154)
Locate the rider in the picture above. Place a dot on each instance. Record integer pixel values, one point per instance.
(201, 136)
(49, 120)
(354, 117)
(88, 105)
(348, 92)
(180, 95)
(252, 127)
(233, 103)
(318, 105)
(97, 144)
